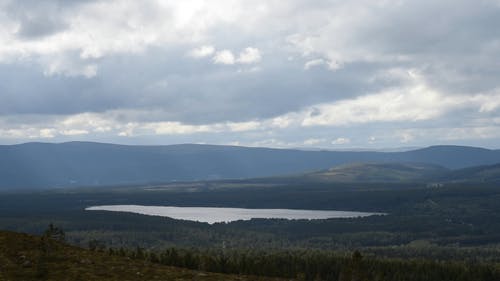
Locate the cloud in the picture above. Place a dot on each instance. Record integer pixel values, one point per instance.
(413, 105)
(168, 128)
(249, 55)
(410, 104)
(73, 132)
(224, 57)
(244, 126)
(313, 141)
(414, 102)
(203, 51)
(61, 66)
(112, 123)
(36, 19)
(448, 134)
(259, 72)
(341, 141)
(488, 102)
(87, 31)
(28, 133)
(313, 63)
(47, 133)
(331, 65)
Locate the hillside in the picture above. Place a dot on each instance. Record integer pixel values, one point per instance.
(378, 172)
(22, 258)
(386, 172)
(43, 165)
(486, 173)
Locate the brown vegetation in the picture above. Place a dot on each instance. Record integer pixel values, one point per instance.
(26, 257)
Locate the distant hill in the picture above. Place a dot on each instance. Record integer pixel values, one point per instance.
(44, 165)
(487, 173)
(378, 172)
(24, 257)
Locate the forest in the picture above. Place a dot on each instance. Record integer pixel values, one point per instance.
(456, 216)
(448, 231)
(49, 257)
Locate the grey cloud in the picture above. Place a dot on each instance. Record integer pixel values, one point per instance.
(35, 26)
(453, 42)
(186, 90)
(38, 18)
(453, 45)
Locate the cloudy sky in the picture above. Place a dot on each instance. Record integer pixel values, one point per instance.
(327, 74)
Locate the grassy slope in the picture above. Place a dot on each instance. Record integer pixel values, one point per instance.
(488, 173)
(21, 258)
(379, 172)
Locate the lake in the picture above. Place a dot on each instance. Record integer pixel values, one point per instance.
(214, 215)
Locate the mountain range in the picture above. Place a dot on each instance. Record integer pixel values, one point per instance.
(46, 165)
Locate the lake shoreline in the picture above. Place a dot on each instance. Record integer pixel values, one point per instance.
(213, 215)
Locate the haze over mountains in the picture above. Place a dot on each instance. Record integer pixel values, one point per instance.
(45, 165)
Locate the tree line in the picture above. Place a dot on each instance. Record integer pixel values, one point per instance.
(313, 265)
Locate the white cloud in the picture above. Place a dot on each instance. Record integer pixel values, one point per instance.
(127, 130)
(73, 132)
(488, 102)
(249, 55)
(111, 123)
(170, 128)
(47, 133)
(449, 134)
(331, 65)
(26, 132)
(224, 57)
(173, 128)
(283, 121)
(244, 126)
(87, 122)
(313, 63)
(86, 32)
(408, 104)
(313, 141)
(203, 51)
(413, 101)
(340, 141)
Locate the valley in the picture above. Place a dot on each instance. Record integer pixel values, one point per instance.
(431, 214)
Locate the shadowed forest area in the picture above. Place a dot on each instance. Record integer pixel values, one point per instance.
(448, 232)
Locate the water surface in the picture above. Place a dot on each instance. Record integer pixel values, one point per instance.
(213, 215)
